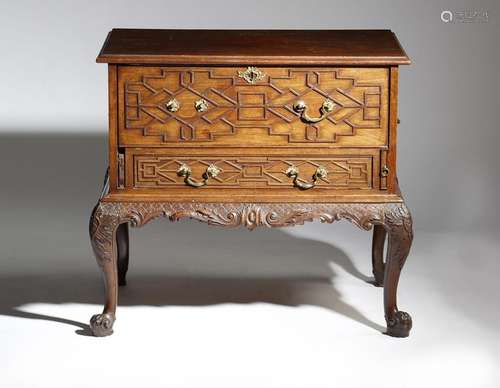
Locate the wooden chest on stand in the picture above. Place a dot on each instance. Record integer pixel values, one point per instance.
(252, 128)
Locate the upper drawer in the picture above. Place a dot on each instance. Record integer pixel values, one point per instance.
(265, 106)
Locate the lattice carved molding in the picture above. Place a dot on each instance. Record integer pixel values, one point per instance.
(343, 172)
(235, 105)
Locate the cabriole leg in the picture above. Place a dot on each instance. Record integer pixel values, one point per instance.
(103, 229)
(399, 228)
(378, 242)
(122, 244)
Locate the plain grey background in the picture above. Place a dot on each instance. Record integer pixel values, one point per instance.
(448, 137)
(279, 307)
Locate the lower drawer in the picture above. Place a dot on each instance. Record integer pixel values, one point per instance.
(258, 170)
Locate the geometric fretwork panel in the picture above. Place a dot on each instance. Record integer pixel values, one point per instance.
(238, 112)
(152, 171)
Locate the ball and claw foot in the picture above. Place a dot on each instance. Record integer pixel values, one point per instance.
(101, 325)
(399, 325)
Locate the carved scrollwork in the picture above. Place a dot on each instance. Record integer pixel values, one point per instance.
(108, 215)
(393, 214)
(101, 229)
(399, 222)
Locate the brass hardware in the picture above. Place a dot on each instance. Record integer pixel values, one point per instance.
(383, 162)
(301, 107)
(185, 171)
(293, 172)
(201, 105)
(385, 171)
(173, 105)
(251, 74)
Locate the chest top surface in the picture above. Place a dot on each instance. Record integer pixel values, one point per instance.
(273, 47)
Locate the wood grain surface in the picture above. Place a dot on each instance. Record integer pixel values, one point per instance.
(256, 47)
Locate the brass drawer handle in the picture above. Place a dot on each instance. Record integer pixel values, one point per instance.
(172, 105)
(301, 107)
(293, 172)
(185, 171)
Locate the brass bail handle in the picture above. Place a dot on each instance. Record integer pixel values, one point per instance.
(185, 171)
(293, 172)
(301, 107)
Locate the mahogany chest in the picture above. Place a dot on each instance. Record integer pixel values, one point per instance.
(252, 128)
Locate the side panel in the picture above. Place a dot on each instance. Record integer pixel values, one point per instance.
(393, 130)
(113, 127)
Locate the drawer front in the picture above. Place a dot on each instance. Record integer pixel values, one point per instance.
(264, 106)
(164, 169)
